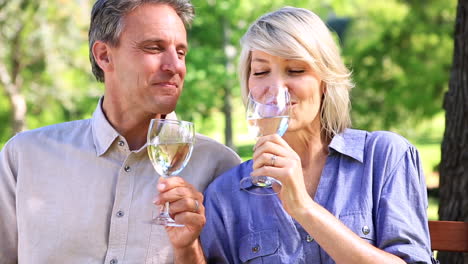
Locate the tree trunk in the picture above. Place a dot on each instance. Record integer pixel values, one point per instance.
(454, 164)
(229, 64)
(12, 82)
(17, 100)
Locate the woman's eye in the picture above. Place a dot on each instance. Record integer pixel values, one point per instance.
(296, 71)
(260, 73)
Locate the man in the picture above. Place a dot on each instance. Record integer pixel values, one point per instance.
(83, 191)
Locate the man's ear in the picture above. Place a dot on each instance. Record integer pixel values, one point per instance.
(102, 56)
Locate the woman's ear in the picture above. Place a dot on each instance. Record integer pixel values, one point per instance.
(323, 87)
(102, 56)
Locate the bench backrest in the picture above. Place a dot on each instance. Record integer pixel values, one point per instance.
(449, 236)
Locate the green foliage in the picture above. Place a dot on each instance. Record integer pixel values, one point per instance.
(46, 41)
(400, 53)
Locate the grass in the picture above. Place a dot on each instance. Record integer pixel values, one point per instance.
(432, 210)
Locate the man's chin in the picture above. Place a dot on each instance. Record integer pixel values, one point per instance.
(165, 109)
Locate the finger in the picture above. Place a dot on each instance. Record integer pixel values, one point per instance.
(274, 138)
(268, 159)
(191, 220)
(268, 171)
(187, 205)
(269, 147)
(178, 193)
(165, 184)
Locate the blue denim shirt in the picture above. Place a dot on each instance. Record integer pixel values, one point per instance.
(372, 182)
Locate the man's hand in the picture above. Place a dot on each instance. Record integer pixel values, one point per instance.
(186, 207)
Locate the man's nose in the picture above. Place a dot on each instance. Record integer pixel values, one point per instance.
(170, 62)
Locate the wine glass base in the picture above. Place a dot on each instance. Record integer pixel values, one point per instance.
(166, 221)
(261, 185)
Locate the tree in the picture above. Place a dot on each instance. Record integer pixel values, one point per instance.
(211, 81)
(10, 72)
(454, 164)
(398, 53)
(44, 68)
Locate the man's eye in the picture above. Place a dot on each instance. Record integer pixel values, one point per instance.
(153, 48)
(182, 53)
(260, 73)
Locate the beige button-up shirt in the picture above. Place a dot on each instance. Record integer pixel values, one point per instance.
(75, 193)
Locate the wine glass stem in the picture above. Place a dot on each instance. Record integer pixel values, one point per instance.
(166, 210)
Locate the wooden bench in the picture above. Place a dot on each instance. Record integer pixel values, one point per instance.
(449, 236)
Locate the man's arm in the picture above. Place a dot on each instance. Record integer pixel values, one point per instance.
(8, 226)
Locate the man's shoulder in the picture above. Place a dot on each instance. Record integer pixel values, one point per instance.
(60, 130)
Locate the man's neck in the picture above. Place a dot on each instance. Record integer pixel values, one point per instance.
(129, 124)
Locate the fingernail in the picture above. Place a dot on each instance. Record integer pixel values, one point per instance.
(156, 200)
(161, 186)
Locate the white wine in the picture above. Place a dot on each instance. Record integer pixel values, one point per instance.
(266, 126)
(169, 158)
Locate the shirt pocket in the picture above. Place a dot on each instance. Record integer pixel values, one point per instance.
(260, 247)
(361, 224)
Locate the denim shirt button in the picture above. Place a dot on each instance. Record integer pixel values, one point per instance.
(365, 230)
(256, 249)
(309, 238)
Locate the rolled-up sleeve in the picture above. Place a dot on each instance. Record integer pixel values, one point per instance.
(401, 220)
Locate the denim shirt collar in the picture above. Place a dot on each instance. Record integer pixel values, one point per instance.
(351, 143)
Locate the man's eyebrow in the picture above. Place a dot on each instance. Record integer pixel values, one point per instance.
(162, 41)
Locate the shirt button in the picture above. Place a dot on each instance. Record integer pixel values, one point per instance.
(256, 249)
(121, 143)
(113, 261)
(365, 230)
(120, 214)
(309, 238)
(127, 168)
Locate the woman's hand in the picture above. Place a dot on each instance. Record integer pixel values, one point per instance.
(273, 157)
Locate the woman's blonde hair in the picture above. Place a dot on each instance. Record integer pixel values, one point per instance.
(299, 34)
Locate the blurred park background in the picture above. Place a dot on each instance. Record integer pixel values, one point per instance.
(400, 52)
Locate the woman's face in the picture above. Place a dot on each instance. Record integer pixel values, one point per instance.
(304, 85)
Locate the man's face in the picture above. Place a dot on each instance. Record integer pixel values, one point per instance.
(149, 61)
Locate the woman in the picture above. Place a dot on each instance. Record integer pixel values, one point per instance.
(348, 196)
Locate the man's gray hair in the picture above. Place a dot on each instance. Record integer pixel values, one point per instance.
(107, 22)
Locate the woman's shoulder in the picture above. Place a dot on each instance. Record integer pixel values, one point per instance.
(229, 180)
(387, 139)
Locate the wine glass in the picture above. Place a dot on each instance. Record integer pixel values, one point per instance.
(170, 145)
(267, 113)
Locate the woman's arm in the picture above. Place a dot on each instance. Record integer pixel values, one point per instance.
(342, 244)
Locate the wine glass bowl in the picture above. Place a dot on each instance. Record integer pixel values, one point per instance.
(170, 145)
(266, 113)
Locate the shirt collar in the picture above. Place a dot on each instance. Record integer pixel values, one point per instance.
(351, 143)
(103, 132)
